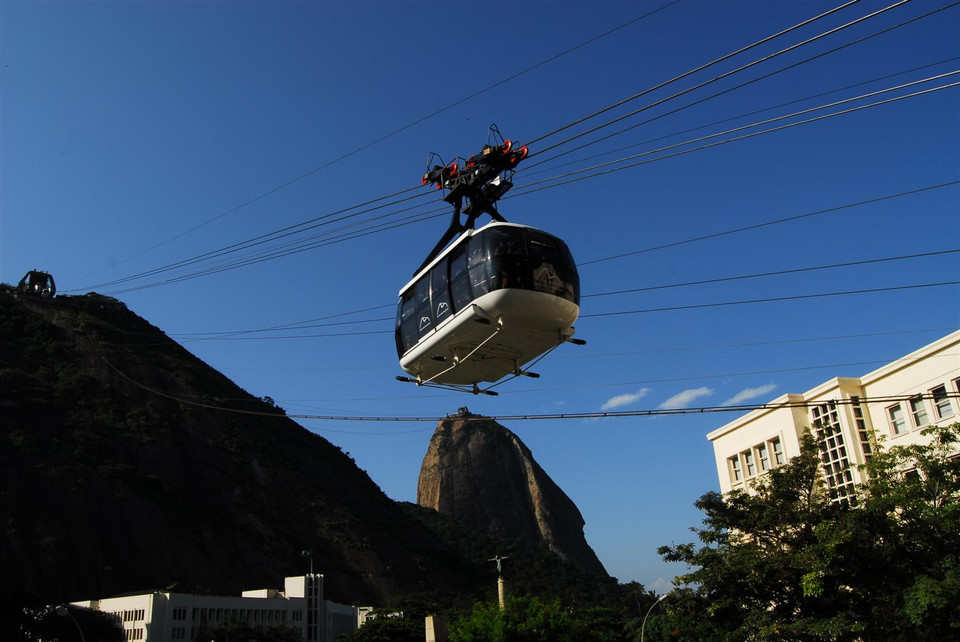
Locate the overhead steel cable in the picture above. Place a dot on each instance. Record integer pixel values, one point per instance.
(796, 297)
(720, 93)
(295, 246)
(748, 66)
(550, 182)
(779, 118)
(301, 227)
(583, 415)
(797, 217)
(691, 72)
(242, 262)
(531, 171)
(645, 382)
(436, 112)
(759, 275)
(672, 308)
(737, 230)
(296, 325)
(761, 123)
(236, 334)
(755, 344)
(556, 180)
(268, 236)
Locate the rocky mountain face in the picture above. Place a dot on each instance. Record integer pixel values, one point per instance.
(483, 475)
(127, 464)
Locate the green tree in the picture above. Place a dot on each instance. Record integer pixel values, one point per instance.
(523, 619)
(912, 501)
(233, 628)
(787, 563)
(389, 629)
(23, 621)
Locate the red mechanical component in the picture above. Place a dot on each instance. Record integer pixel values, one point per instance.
(507, 145)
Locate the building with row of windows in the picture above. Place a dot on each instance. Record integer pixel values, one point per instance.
(162, 616)
(849, 417)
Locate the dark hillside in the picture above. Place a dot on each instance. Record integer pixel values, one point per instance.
(111, 482)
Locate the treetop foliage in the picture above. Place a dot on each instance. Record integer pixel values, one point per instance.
(787, 563)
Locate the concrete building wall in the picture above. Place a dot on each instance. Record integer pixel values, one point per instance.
(934, 367)
(853, 417)
(176, 617)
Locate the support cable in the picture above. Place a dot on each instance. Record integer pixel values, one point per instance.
(726, 75)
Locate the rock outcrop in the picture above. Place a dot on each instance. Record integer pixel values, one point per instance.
(483, 475)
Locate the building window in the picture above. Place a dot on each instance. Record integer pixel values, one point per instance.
(866, 443)
(736, 473)
(751, 466)
(942, 402)
(898, 425)
(919, 411)
(833, 453)
(763, 457)
(777, 449)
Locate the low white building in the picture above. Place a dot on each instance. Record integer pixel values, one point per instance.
(163, 616)
(850, 417)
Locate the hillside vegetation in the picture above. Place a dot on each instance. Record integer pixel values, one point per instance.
(127, 464)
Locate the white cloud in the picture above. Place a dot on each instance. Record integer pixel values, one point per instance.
(686, 397)
(623, 400)
(661, 585)
(750, 393)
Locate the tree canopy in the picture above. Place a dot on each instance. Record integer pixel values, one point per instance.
(787, 563)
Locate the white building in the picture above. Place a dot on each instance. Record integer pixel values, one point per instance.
(851, 418)
(170, 617)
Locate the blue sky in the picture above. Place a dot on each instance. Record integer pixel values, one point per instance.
(135, 135)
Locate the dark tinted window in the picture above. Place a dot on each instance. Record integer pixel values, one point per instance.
(528, 259)
(477, 258)
(422, 308)
(406, 323)
(440, 293)
(507, 257)
(459, 279)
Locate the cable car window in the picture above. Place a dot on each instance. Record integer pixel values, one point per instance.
(477, 260)
(552, 268)
(406, 323)
(422, 307)
(571, 277)
(545, 266)
(459, 280)
(507, 252)
(440, 291)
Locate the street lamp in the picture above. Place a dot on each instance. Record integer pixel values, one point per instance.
(659, 599)
(63, 611)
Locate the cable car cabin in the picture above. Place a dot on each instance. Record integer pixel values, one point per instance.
(494, 300)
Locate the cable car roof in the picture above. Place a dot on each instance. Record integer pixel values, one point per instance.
(462, 239)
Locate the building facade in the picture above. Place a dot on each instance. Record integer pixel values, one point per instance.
(849, 418)
(171, 617)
